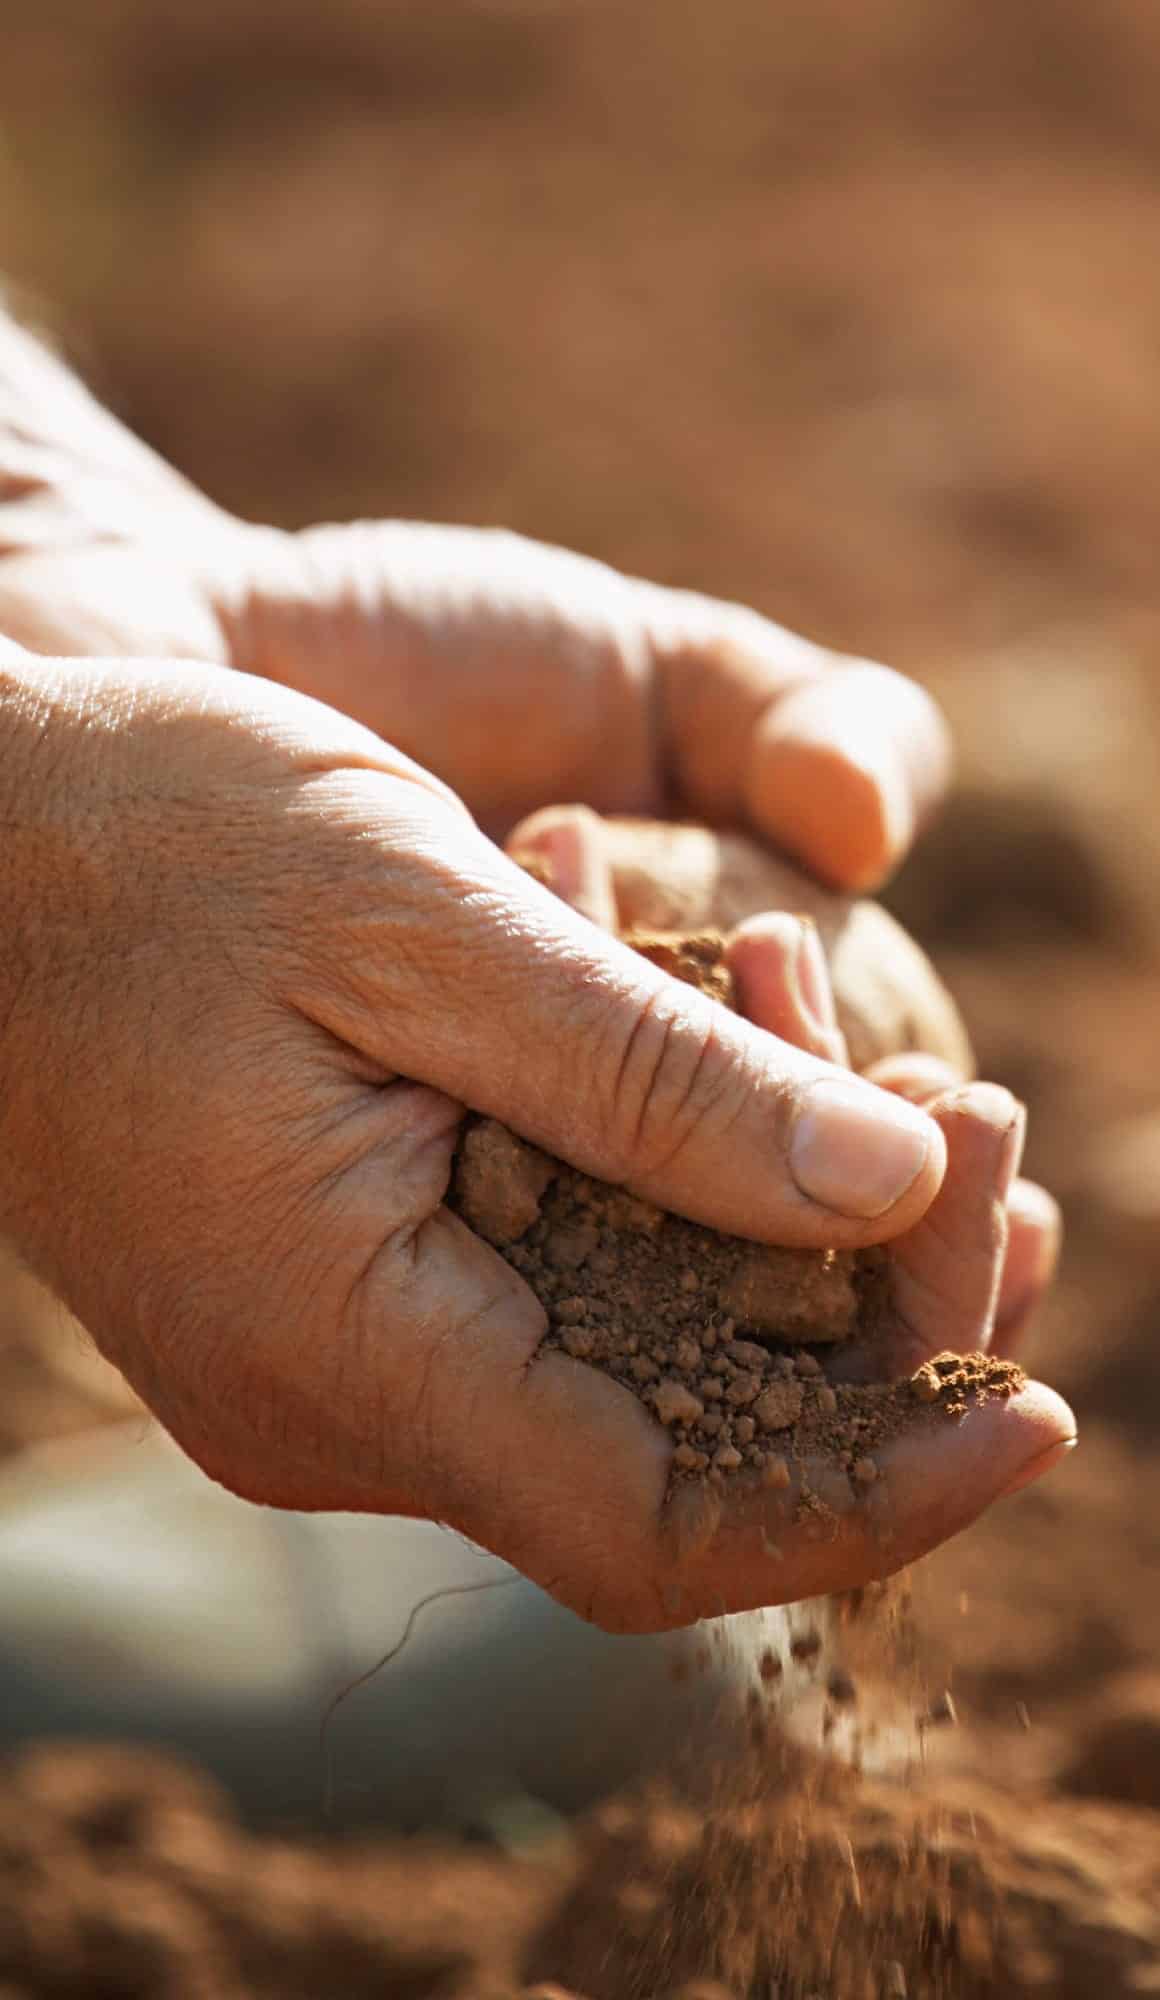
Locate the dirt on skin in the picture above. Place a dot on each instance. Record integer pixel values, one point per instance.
(715, 1335)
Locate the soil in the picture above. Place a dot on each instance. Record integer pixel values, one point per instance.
(724, 1340)
(849, 313)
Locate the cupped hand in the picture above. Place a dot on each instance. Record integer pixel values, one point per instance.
(519, 674)
(256, 962)
(847, 983)
(968, 1277)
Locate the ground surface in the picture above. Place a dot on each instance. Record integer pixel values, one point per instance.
(851, 311)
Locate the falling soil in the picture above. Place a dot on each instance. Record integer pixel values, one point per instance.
(724, 1340)
(123, 1873)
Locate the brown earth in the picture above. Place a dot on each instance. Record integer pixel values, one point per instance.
(851, 312)
(725, 1341)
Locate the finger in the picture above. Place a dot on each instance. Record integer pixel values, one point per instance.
(931, 1482)
(460, 970)
(920, 1078)
(1034, 1237)
(689, 878)
(564, 847)
(840, 760)
(944, 1275)
(946, 1272)
(777, 960)
(782, 983)
(1034, 1223)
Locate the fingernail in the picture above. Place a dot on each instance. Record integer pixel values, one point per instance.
(1044, 1461)
(856, 1150)
(813, 977)
(1012, 1157)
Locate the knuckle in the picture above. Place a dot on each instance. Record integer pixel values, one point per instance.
(673, 1080)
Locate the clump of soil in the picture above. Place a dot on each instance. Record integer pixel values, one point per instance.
(715, 1334)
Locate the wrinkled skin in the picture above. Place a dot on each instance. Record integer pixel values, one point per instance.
(260, 954)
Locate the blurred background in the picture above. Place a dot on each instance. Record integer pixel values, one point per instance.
(846, 308)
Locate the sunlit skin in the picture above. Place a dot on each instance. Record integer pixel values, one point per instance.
(262, 946)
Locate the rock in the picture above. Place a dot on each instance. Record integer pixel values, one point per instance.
(787, 1292)
(500, 1181)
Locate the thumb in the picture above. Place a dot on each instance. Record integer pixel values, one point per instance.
(465, 974)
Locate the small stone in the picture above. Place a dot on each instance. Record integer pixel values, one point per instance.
(747, 1354)
(688, 1459)
(779, 1406)
(783, 1291)
(675, 1404)
(726, 1458)
(500, 1181)
(776, 1475)
(687, 1354)
(744, 1429)
(643, 1368)
(566, 1249)
(710, 1389)
(569, 1311)
(924, 1384)
(827, 1402)
(579, 1342)
(865, 1471)
(690, 1282)
(629, 1211)
(711, 1423)
(742, 1389)
(806, 1364)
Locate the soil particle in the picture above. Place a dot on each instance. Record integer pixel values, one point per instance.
(499, 1182)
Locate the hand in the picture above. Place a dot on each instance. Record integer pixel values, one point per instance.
(868, 997)
(255, 963)
(519, 674)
